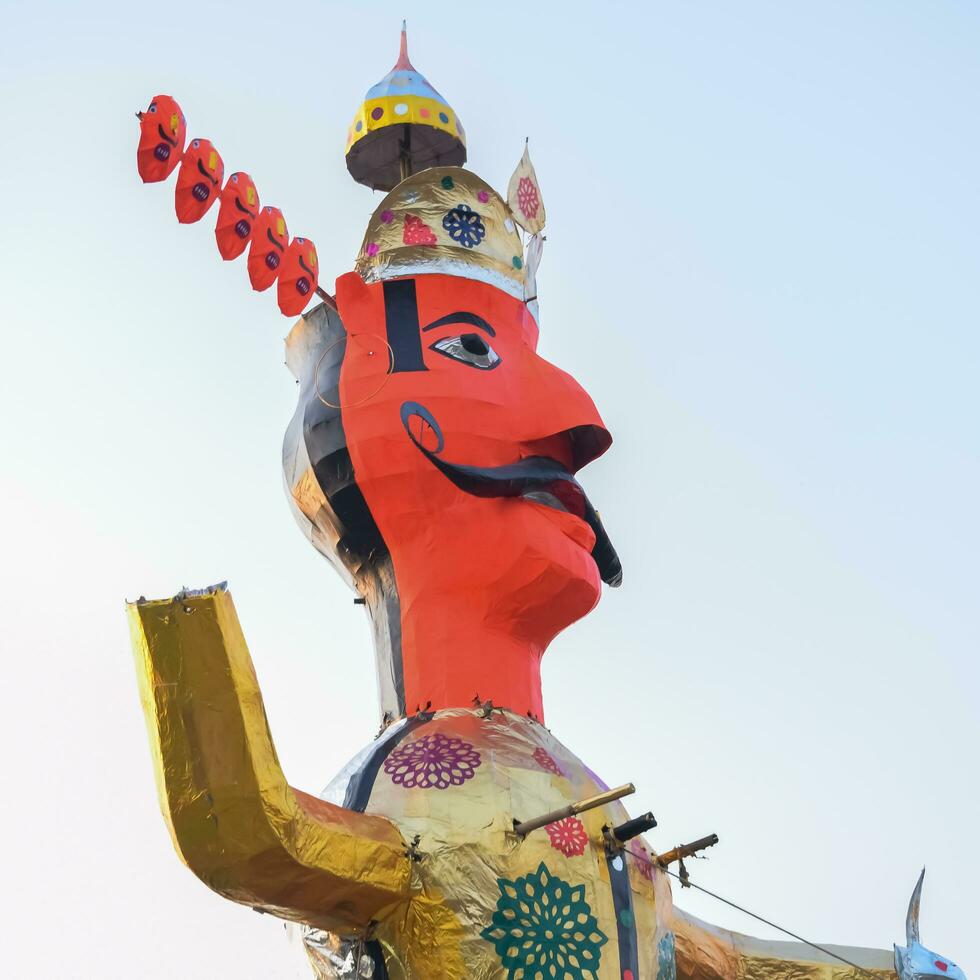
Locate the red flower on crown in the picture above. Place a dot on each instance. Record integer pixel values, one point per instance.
(417, 232)
(527, 197)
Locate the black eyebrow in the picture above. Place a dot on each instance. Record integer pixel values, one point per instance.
(200, 166)
(462, 317)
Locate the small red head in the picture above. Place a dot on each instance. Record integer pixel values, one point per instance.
(269, 241)
(237, 215)
(198, 182)
(163, 133)
(298, 276)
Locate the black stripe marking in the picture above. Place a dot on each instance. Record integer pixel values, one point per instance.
(373, 948)
(402, 325)
(622, 894)
(362, 782)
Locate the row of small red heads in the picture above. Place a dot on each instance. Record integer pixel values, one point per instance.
(242, 222)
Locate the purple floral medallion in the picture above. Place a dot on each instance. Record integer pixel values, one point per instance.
(434, 760)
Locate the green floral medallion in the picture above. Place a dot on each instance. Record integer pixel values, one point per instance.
(544, 928)
(666, 960)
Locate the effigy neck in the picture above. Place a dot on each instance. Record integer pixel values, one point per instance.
(427, 661)
(476, 667)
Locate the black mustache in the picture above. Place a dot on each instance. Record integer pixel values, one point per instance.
(200, 166)
(241, 207)
(515, 480)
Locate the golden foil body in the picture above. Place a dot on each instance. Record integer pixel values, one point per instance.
(412, 852)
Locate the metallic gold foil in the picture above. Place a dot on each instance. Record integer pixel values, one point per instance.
(422, 875)
(234, 820)
(705, 952)
(444, 220)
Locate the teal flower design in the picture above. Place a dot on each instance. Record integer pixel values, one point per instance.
(543, 927)
(666, 962)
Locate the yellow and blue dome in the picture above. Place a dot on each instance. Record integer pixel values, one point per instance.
(403, 126)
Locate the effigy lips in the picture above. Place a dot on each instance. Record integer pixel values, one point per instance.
(237, 215)
(198, 181)
(269, 241)
(297, 277)
(163, 132)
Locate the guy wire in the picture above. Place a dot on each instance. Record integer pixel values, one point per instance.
(806, 942)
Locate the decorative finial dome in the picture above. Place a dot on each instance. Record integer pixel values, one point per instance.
(403, 126)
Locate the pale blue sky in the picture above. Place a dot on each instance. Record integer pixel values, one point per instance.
(762, 263)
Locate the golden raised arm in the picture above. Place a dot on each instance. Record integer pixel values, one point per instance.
(234, 820)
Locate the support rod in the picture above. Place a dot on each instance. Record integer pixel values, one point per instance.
(523, 828)
(327, 298)
(686, 850)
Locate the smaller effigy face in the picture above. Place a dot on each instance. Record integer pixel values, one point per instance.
(199, 181)
(163, 132)
(237, 213)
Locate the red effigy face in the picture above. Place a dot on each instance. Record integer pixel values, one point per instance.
(237, 215)
(163, 132)
(198, 181)
(465, 454)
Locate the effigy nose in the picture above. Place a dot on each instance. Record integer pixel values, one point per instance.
(563, 421)
(574, 447)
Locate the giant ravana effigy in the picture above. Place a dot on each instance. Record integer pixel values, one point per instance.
(432, 460)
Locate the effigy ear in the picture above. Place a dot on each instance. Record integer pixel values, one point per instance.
(163, 132)
(234, 820)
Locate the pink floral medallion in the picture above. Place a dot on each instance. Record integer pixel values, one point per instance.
(546, 762)
(433, 761)
(527, 197)
(643, 862)
(568, 836)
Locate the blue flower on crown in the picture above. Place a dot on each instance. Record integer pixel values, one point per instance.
(464, 226)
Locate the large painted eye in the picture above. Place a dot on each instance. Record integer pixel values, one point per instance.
(470, 348)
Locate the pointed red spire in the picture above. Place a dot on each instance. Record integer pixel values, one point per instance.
(403, 64)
